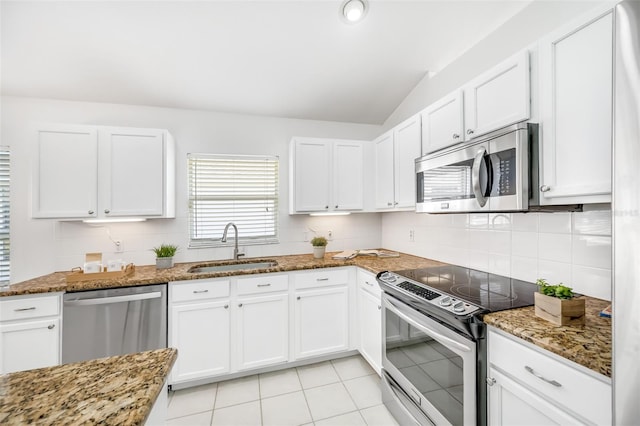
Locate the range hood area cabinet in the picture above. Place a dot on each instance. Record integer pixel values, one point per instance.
(94, 172)
(326, 175)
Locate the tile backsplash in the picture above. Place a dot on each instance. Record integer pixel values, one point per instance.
(572, 248)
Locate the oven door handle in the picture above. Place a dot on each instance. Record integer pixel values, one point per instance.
(400, 398)
(475, 176)
(442, 339)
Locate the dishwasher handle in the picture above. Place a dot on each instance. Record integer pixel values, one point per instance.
(113, 299)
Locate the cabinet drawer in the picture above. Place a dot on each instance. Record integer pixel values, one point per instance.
(321, 278)
(263, 284)
(584, 395)
(29, 307)
(198, 290)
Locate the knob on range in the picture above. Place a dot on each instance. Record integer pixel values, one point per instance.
(388, 276)
(446, 301)
(458, 307)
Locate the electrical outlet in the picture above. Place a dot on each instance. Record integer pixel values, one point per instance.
(330, 235)
(119, 248)
(305, 236)
(412, 235)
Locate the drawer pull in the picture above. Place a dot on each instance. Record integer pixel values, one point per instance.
(322, 279)
(200, 291)
(51, 326)
(264, 285)
(32, 308)
(368, 283)
(532, 371)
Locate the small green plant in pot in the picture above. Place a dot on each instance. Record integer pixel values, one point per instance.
(164, 255)
(319, 245)
(556, 303)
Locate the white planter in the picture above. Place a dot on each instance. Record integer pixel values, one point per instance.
(164, 262)
(318, 252)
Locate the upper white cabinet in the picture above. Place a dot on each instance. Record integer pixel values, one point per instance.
(499, 97)
(443, 123)
(395, 153)
(326, 175)
(82, 172)
(576, 64)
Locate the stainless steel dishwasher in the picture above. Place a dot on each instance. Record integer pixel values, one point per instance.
(101, 323)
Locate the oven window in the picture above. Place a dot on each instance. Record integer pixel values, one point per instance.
(433, 369)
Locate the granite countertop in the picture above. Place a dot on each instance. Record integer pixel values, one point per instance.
(588, 345)
(148, 274)
(117, 390)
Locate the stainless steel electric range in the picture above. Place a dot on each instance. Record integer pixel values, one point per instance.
(434, 346)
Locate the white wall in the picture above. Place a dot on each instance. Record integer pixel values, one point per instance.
(573, 248)
(42, 246)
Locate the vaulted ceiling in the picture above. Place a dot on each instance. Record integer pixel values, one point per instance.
(293, 58)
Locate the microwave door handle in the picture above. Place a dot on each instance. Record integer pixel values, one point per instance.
(475, 177)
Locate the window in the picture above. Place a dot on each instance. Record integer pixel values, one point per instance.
(4, 216)
(242, 189)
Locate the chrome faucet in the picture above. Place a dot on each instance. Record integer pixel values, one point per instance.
(236, 255)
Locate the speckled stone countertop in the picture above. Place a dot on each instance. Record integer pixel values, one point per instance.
(119, 390)
(148, 274)
(588, 345)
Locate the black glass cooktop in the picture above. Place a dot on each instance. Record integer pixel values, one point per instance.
(489, 291)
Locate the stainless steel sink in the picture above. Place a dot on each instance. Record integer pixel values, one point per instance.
(232, 266)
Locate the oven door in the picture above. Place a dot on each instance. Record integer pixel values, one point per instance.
(428, 367)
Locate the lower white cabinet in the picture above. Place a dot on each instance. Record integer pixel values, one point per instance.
(29, 332)
(370, 319)
(528, 385)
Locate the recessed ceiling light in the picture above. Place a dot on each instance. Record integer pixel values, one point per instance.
(353, 10)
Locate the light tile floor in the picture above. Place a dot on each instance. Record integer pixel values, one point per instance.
(341, 392)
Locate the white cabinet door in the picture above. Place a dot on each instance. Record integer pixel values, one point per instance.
(443, 123)
(65, 172)
(312, 175)
(384, 171)
(576, 65)
(370, 320)
(321, 321)
(499, 97)
(407, 141)
(263, 331)
(132, 172)
(200, 332)
(511, 404)
(348, 176)
(29, 344)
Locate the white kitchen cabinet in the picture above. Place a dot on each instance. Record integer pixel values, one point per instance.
(370, 319)
(326, 175)
(199, 327)
(576, 82)
(29, 332)
(84, 172)
(499, 97)
(528, 385)
(443, 123)
(262, 318)
(321, 313)
(395, 171)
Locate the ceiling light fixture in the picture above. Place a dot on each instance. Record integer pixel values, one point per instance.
(354, 10)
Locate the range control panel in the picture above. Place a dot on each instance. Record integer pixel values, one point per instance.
(418, 290)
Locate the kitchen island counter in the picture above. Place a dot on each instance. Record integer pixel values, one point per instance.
(116, 390)
(148, 274)
(588, 345)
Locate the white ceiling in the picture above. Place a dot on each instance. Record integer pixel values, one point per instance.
(293, 58)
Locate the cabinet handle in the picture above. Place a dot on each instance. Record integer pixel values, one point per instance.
(264, 285)
(32, 308)
(239, 305)
(226, 306)
(395, 204)
(322, 279)
(51, 326)
(389, 204)
(368, 283)
(469, 131)
(490, 381)
(200, 291)
(545, 188)
(456, 136)
(90, 212)
(298, 297)
(379, 307)
(107, 211)
(541, 377)
(336, 206)
(326, 207)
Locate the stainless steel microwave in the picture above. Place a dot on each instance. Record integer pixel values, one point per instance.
(494, 173)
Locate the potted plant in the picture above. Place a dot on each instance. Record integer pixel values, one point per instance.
(164, 255)
(319, 245)
(558, 304)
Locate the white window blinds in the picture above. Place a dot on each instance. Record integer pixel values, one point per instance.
(232, 188)
(4, 216)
